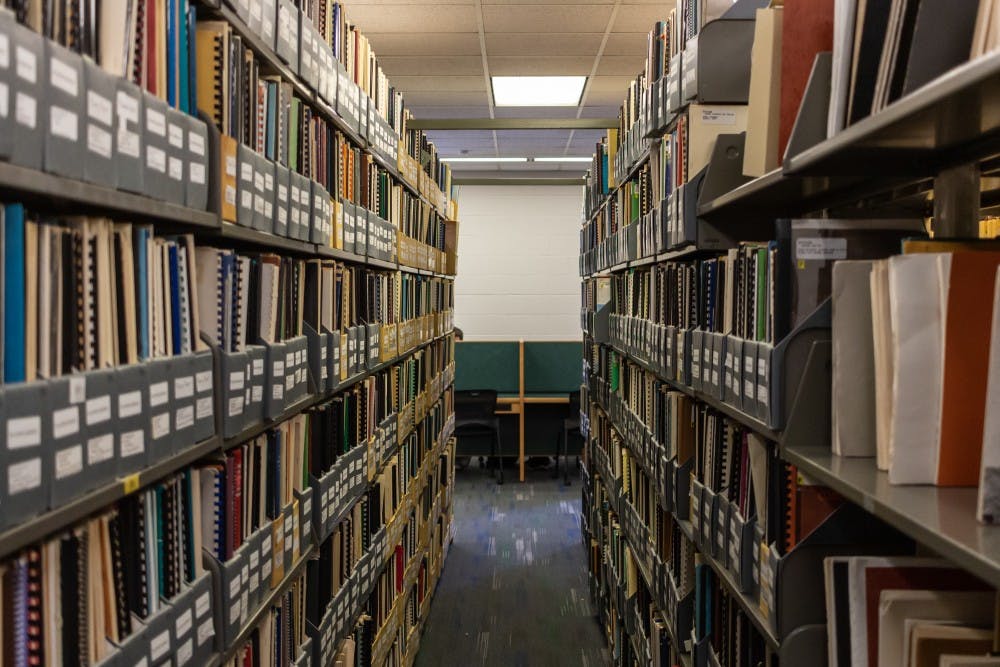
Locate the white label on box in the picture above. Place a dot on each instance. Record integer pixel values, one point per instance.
(129, 404)
(98, 141)
(128, 141)
(65, 422)
(279, 369)
(258, 180)
(4, 51)
(24, 432)
(265, 569)
(132, 443)
(156, 122)
(197, 173)
(206, 631)
(196, 144)
(27, 65)
(230, 165)
(185, 417)
(184, 653)
(160, 645)
(258, 202)
(203, 381)
(236, 381)
(98, 410)
(25, 110)
(257, 393)
(258, 367)
(230, 195)
(175, 135)
(289, 359)
(823, 249)
(128, 107)
(24, 476)
(175, 168)
(183, 387)
(69, 461)
(100, 448)
(234, 585)
(234, 612)
(158, 393)
(183, 623)
(77, 389)
(99, 108)
(203, 407)
(277, 391)
(160, 425)
(203, 604)
(717, 116)
(156, 158)
(64, 77)
(63, 123)
(289, 382)
(246, 172)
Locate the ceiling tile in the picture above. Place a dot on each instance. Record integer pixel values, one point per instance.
(443, 99)
(413, 18)
(543, 44)
(639, 18)
(621, 65)
(536, 112)
(546, 18)
(351, 4)
(396, 66)
(412, 84)
(412, 45)
(594, 110)
(540, 65)
(626, 44)
(427, 111)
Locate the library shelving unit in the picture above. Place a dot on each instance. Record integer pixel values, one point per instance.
(80, 445)
(661, 540)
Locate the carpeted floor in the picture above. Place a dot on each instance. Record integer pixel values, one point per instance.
(514, 590)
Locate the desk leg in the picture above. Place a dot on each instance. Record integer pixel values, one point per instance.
(520, 440)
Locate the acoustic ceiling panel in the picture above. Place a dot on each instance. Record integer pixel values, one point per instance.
(546, 18)
(417, 19)
(396, 66)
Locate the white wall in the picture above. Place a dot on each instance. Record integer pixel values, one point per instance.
(518, 268)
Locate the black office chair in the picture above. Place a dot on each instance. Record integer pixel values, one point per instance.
(475, 417)
(571, 427)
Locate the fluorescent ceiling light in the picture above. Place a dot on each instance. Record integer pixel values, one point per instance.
(537, 91)
(485, 159)
(563, 159)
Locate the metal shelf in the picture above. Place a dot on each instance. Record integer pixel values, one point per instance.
(263, 239)
(752, 423)
(748, 603)
(71, 194)
(941, 518)
(40, 527)
(270, 58)
(265, 607)
(342, 255)
(382, 264)
(952, 120)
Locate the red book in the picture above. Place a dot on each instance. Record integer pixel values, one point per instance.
(400, 566)
(807, 29)
(878, 579)
(236, 488)
(150, 59)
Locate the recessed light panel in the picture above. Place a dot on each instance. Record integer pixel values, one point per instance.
(537, 91)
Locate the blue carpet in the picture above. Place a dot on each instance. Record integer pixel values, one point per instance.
(514, 590)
